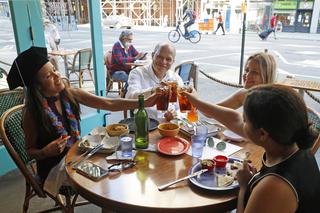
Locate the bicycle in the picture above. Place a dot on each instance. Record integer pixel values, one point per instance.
(174, 35)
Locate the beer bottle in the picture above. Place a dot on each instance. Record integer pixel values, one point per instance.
(141, 121)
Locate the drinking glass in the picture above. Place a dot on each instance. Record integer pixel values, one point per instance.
(202, 131)
(184, 103)
(174, 90)
(197, 145)
(126, 145)
(192, 115)
(163, 99)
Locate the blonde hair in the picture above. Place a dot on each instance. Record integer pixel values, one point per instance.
(267, 65)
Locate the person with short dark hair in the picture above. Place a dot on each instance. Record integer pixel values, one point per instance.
(51, 117)
(220, 24)
(123, 52)
(275, 118)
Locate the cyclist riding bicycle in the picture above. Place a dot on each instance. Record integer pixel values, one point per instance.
(192, 17)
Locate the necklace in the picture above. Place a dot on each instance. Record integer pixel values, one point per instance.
(58, 125)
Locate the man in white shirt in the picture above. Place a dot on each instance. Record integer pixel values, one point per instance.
(145, 79)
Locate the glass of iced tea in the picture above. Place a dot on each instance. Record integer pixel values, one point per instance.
(174, 90)
(184, 103)
(163, 99)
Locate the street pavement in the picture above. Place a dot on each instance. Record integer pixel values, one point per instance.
(216, 54)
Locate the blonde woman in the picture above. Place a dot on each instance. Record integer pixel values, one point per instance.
(260, 68)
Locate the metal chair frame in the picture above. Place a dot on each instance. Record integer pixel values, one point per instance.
(33, 185)
(191, 74)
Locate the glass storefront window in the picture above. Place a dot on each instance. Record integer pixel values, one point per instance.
(287, 18)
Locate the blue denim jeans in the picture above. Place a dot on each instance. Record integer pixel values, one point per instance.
(120, 76)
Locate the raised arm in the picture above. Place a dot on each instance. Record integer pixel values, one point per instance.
(116, 104)
(235, 100)
(228, 117)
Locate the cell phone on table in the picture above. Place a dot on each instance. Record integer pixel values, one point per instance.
(91, 170)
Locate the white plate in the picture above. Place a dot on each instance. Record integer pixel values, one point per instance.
(232, 136)
(110, 144)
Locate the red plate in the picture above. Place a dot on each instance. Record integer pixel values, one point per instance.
(173, 146)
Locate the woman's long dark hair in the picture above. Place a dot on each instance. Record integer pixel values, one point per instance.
(34, 105)
(281, 112)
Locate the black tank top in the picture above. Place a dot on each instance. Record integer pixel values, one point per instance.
(301, 172)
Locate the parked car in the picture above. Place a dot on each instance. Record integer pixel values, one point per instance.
(118, 21)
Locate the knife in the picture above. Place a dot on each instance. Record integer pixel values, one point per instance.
(94, 150)
(164, 186)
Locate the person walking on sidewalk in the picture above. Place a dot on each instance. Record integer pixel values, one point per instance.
(273, 22)
(220, 24)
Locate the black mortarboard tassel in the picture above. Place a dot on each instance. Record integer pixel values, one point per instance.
(26, 66)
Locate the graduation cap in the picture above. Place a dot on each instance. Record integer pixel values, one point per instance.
(26, 66)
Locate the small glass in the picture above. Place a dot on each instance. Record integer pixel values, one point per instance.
(192, 115)
(197, 146)
(126, 145)
(163, 99)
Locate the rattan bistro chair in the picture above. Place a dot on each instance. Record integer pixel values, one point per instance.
(110, 81)
(314, 120)
(13, 140)
(81, 63)
(188, 71)
(10, 98)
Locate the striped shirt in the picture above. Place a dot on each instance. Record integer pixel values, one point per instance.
(120, 56)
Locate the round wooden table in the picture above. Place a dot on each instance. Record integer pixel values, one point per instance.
(135, 189)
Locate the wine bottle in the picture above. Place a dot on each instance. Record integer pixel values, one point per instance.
(141, 121)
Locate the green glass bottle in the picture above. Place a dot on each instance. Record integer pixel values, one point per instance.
(141, 121)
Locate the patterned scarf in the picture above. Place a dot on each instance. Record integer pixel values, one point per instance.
(72, 120)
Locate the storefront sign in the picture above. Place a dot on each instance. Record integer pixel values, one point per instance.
(306, 5)
(287, 5)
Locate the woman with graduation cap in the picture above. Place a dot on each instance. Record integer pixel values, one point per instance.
(52, 113)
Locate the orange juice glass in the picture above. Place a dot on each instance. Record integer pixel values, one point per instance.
(192, 115)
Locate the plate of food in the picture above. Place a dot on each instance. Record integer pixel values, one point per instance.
(218, 179)
(110, 144)
(153, 123)
(173, 146)
(232, 136)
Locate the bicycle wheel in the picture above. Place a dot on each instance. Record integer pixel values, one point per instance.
(195, 36)
(174, 36)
